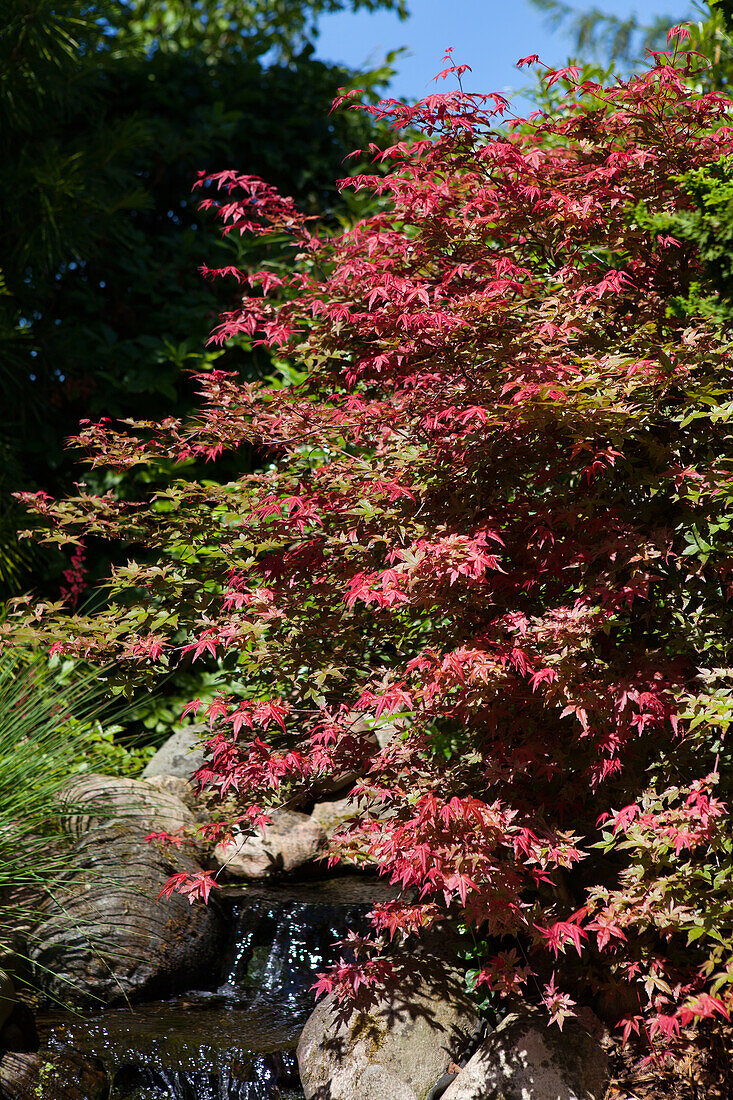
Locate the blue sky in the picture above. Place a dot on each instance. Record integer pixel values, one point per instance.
(488, 35)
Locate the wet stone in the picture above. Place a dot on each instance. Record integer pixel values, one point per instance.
(51, 1075)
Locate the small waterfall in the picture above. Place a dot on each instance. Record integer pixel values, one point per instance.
(281, 939)
(269, 1077)
(237, 1043)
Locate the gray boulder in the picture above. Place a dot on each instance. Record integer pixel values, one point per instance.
(110, 798)
(181, 755)
(290, 842)
(182, 789)
(331, 815)
(527, 1059)
(388, 732)
(104, 936)
(395, 1050)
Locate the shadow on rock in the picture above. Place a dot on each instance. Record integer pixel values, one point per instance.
(398, 1046)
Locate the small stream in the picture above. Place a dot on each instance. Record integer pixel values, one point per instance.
(238, 1041)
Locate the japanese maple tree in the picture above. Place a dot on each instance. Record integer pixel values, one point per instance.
(491, 525)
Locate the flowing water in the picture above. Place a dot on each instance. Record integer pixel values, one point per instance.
(238, 1042)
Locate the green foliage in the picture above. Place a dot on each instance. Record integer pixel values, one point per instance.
(110, 111)
(249, 28)
(708, 225)
(105, 755)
